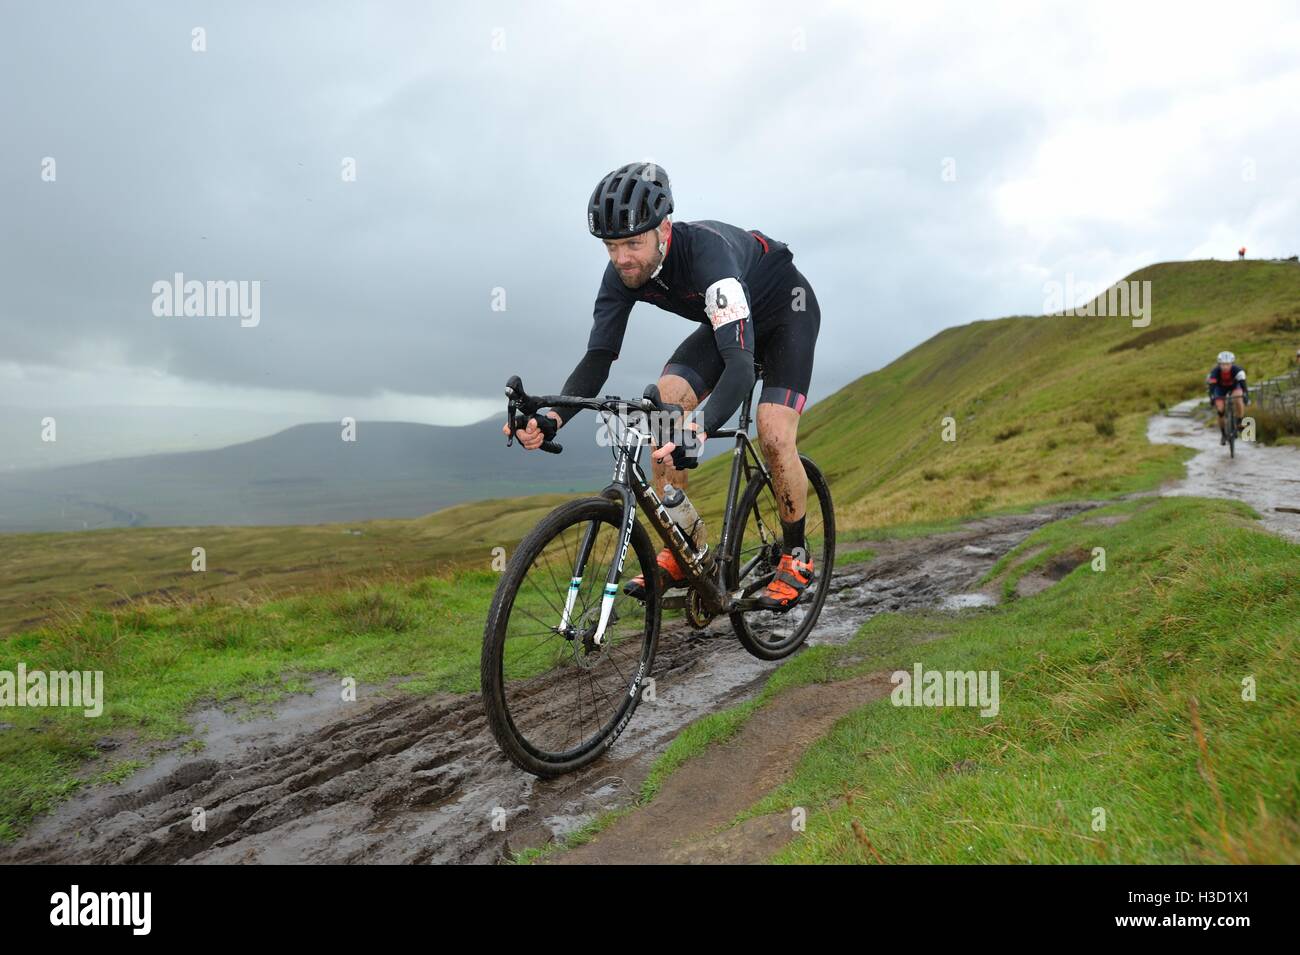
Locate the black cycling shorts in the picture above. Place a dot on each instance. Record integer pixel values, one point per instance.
(784, 347)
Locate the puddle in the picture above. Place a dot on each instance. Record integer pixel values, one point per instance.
(965, 601)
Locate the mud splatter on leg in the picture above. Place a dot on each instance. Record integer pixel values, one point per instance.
(777, 430)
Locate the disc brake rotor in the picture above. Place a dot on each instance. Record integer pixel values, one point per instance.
(586, 652)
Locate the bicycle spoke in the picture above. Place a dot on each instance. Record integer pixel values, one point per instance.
(558, 608)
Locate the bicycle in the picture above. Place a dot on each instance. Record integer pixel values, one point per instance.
(1229, 424)
(585, 662)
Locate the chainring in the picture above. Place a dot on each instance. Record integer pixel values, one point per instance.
(696, 615)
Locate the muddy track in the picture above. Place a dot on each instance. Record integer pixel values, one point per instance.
(403, 779)
(1266, 478)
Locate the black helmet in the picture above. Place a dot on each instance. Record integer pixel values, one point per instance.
(629, 200)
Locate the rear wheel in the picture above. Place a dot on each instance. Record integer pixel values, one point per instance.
(756, 540)
(555, 699)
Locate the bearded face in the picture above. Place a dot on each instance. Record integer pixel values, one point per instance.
(636, 257)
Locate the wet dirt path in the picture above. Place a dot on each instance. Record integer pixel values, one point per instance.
(402, 779)
(687, 820)
(1266, 478)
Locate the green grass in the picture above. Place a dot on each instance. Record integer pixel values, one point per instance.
(1120, 690)
(854, 557)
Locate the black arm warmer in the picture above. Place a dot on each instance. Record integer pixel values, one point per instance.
(587, 379)
(736, 382)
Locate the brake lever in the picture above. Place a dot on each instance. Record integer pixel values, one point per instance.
(521, 423)
(514, 386)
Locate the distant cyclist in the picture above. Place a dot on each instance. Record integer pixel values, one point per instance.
(1227, 378)
(750, 302)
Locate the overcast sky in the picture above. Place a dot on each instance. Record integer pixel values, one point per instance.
(1086, 142)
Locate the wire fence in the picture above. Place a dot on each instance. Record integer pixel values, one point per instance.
(1280, 394)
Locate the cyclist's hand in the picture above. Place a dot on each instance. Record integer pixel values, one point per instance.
(681, 459)
(533, 437)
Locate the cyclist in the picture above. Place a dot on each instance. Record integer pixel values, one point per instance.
(1227, 378)
(751, 303)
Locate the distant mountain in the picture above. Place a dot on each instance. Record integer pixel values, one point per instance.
(99, 432)
(305, 474)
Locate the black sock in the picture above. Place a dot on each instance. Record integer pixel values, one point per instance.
(793, 535)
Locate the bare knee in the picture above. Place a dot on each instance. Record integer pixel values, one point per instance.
(676, 390)
(777, 430)
(778, 444)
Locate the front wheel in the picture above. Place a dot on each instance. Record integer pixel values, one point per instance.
(555, 698)
(756, 542)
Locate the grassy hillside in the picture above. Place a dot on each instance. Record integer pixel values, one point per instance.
(44, 576)
(1035, 398)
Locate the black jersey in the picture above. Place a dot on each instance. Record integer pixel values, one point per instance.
(1228, 378)
(701, 257)
(736, 280)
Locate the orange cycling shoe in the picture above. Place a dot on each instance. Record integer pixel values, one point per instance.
(791, 580)
(670, 575)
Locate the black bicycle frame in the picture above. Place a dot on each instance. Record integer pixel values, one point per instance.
(1231, 426)
(630, 486)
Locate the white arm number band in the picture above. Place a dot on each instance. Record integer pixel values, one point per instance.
(724, 301)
